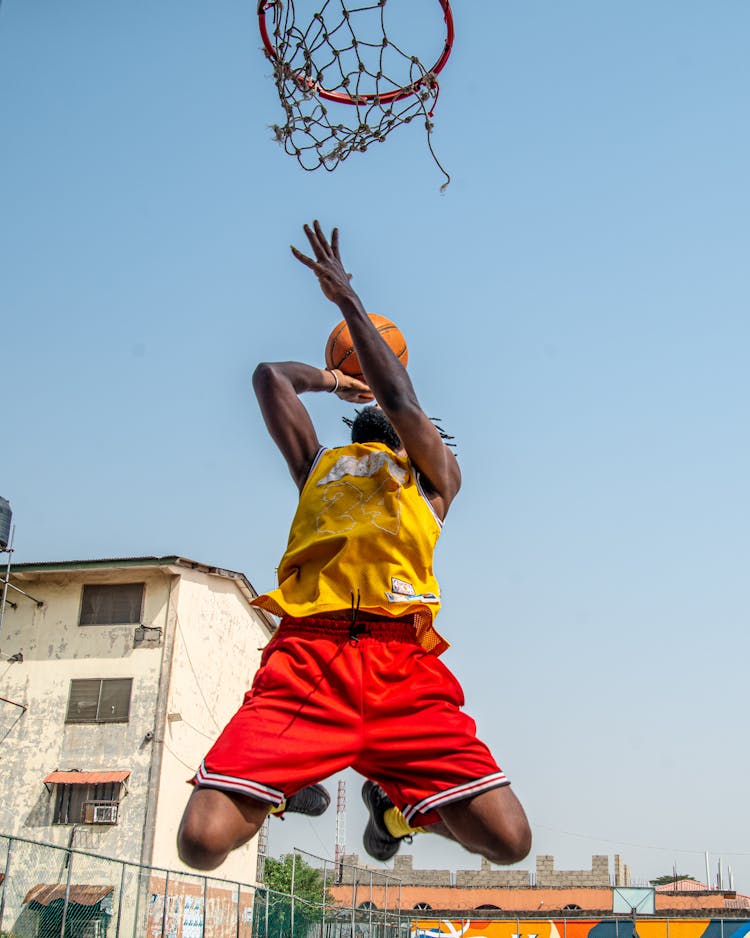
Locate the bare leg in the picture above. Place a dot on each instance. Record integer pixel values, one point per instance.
(215, 823)
(493, 825)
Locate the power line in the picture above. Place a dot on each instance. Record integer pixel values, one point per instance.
(626, 843)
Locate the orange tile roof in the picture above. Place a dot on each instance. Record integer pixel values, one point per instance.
(85, 778)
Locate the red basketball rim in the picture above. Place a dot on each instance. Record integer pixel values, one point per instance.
(389, 96)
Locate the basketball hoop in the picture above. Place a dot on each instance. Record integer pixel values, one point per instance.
(344, 56)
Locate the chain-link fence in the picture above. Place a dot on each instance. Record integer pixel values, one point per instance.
(57, 892)
(298, 912)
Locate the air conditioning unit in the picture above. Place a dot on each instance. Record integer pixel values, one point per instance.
(101, 813)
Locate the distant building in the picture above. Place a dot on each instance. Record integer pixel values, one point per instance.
(502, 892)
(115, 677)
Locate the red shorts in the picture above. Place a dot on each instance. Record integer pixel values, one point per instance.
(322, 702)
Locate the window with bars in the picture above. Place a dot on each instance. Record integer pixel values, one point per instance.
(112, 604)
(87, 804)
(105, 700)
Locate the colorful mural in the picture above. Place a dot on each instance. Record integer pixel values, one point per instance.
(583, 928)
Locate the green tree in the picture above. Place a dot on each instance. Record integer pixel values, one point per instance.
(669, 878)
(307, 899)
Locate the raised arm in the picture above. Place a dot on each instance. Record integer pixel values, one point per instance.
(277, 386)
(385, 375)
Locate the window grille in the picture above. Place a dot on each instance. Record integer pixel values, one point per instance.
(87, 804)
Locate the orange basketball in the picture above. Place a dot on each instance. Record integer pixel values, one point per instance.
(340, 350)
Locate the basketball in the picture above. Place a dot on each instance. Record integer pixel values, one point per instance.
(340, 350)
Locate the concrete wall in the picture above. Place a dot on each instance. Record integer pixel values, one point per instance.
(528, 899)
(218, 640)
(55, 651)
(547, 875)
(622, 872)
(488, 877)
(469, 889)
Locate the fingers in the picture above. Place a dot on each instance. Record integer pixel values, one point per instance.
(322, 240)
(304, 259)
(317, 240)
(319, 243)
(326, 264)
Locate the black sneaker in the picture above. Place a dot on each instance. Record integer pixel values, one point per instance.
(311, 801)
(378, 840)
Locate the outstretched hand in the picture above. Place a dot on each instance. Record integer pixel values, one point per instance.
(327, 266)
(351, 389)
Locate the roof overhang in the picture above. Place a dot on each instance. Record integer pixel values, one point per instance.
(86, 778)
(171, 563)
(44, 894)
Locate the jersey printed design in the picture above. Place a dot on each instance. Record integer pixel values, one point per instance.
(368, 465)
(417, 597)
(347, 506)
(402, 587)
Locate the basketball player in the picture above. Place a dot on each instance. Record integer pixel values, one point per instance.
(352, 676)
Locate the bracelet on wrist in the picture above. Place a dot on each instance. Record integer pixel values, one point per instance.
(336, 379)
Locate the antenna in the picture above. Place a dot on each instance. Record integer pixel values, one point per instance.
(340, 829)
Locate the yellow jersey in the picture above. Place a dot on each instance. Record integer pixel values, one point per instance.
(364, 534)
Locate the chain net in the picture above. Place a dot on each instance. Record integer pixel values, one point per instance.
(343, 82)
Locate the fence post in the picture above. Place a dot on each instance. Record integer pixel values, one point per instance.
(164, 909)
(239, 903)
(119, 901)
(67, 891)
(398, 912)
(369, 916)
(205, 907)
(5, 880)
(265, 934)
(291, 911)
(325, 893)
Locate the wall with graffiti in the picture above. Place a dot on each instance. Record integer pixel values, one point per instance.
(583, 928)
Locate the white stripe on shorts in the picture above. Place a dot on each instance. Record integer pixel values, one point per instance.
(457, 793)
(206, 779)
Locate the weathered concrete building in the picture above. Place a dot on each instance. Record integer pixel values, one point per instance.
(115, 677)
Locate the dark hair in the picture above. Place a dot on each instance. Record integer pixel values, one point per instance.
(372, 426)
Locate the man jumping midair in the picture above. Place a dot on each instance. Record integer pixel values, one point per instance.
(352, 677)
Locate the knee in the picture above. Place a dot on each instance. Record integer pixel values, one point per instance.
(201, 844)
(512, 846)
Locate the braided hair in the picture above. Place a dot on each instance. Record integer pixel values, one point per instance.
(372, 426)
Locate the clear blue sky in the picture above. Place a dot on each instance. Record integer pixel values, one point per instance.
(576, 305)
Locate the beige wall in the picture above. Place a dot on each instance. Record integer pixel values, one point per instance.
(57, 650)
(217, 647)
